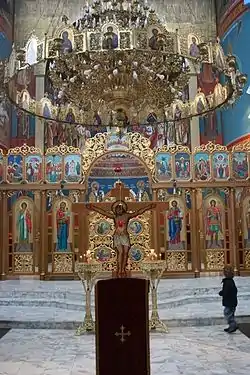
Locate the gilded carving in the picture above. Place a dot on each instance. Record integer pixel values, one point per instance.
(62, 263)
(215, 260)
(23, 263)
(247, 259)
(176, 261)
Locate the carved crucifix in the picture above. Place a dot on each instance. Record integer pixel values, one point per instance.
(120, 212)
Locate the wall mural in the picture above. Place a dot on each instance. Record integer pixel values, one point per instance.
(23, 125)
(6, 15)
(6, 10)
(234, 41)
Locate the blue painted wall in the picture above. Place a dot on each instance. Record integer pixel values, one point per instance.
(236, 124)
(6, 16)
(5, 46)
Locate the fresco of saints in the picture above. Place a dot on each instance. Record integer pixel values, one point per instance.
(213, 224)
(110, 39)
(62, 226)
(175, 218)
(23, 228)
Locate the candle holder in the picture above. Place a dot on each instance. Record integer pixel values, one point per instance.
(87, 273)
(154, 270)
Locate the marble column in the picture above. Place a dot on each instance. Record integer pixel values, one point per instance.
(40, 70)
(194, 122)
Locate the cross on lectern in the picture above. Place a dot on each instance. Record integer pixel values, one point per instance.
(120, 212)
(123, 334)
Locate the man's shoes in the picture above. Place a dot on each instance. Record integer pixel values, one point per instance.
(232, 330)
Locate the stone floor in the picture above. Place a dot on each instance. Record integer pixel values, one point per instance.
(60, 304)
(196, 342)
(186, 351)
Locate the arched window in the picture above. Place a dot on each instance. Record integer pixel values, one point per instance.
(31, 51)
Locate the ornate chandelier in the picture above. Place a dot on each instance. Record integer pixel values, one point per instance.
(118, 54)
(141, 78)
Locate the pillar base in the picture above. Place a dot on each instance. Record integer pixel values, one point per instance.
(196, 274)
(42, 276)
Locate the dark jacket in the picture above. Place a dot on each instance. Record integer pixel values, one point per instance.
(229, 293)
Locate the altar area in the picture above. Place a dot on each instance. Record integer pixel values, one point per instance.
(195, 185)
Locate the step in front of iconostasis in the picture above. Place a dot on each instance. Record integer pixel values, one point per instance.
(60, 304)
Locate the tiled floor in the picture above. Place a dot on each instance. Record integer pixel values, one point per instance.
(186, 351)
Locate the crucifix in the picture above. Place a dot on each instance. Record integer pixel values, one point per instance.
(122, 334)
(121, 213)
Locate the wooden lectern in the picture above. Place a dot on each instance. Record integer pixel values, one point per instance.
(122, 327)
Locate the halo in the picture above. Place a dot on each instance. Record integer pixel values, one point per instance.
(119, 203)
(95, 183)
(140, 183)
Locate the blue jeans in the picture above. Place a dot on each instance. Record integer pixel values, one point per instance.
(229, 313)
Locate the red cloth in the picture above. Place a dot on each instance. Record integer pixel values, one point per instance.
(28, 221)
(122, 302)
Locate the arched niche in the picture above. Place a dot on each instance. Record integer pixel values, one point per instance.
(120, 166)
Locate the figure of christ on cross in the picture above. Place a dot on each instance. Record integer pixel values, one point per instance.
(121, 216)
(121, 213)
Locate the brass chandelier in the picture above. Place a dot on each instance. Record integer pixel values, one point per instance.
(139, 77)
(118, 53)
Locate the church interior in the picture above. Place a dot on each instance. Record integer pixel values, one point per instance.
(140, 106)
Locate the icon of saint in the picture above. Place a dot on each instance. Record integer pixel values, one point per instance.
(66, 43)
(213, 223)
(62, 225)
(153, 41)
(194, 49)
(175, 218)
(110, 40)
(24, 228)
